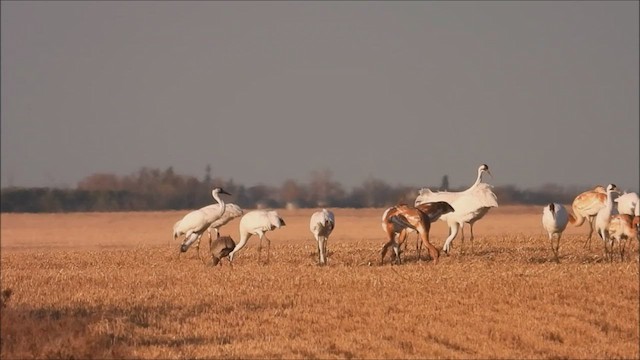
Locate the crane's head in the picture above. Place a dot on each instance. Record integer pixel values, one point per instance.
(219, 191)
(612, 188)
(484, 168)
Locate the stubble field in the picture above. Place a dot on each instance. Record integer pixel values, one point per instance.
(112, 285)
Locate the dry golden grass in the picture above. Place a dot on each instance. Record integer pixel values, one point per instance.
(111, 285)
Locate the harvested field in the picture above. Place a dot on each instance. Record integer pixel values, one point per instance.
(112, 285)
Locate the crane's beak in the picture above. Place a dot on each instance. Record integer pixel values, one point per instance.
(489, 172)
(224, 192)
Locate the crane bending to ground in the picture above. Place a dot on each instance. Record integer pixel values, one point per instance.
(554, 220)
(257, 222)
(321, 225)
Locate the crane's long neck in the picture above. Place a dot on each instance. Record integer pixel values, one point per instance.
(219, 201)
(609, 202)
(478, 179)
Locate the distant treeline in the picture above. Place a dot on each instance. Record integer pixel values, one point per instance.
(154, 189)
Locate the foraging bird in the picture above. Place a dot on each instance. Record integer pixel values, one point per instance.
(195, 223)
(400, 218)
(470, 205)
(586, 206)
(603, 218)
(321, 225)
(621, 229)
(627, 203)
(220, 248)
(554, 220)
(257, 222)
(433, 210)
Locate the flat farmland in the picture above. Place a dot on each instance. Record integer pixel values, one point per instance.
(113, 285)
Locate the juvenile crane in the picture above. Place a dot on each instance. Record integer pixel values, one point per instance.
(400, 218)
(257, 222)
(554, 221)
(586, 206)
(195, 223)
(624, 228)
(470, 205)
(321, 225)
(221, 247)
(621, 229)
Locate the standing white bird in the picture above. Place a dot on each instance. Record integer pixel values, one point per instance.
(603, 218)
(554, 219)
(470, 205)
(257, 222)
(627, 203)
(231, 212)
(195, 223)
(321, 226)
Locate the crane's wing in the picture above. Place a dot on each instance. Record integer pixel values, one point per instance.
(194, 221)
(317, 218)
(627, 203)
(484, 195)
(329, 215)
(233, 210)
(589, 202)
(426, 195)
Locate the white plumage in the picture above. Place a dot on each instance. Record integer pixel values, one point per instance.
(603, 218)
(195, 223)
(554, 220)
(627, 203)
(470, 205)
(257, 222)
(321, 225)
(231, 212)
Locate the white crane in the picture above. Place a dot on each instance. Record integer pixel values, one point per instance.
(231, 212)
(627, 203)
(470, 205)
(195, 223)
(321, 226)
(554, 219)
(603, 218)
(257, 222)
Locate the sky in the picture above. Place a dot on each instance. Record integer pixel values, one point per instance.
(404, 92)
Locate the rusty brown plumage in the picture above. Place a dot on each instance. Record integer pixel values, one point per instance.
(400, 218)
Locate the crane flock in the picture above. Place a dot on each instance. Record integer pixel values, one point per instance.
(613, 224)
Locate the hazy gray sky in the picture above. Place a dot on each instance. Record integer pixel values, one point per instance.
(543, 92)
